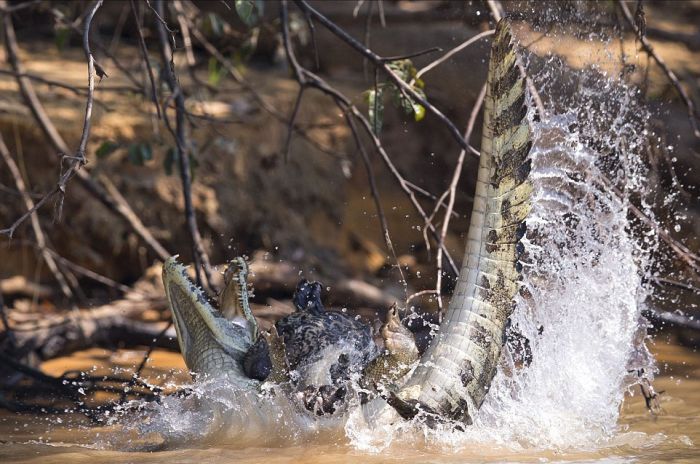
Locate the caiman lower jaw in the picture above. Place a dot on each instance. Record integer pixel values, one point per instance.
(210, 344)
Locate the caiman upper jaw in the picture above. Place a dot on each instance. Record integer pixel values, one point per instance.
(210, 344)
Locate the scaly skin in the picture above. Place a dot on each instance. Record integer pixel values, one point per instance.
(399, 356)
(234, 298)
(456, 371)
(278, 356)
(210, 344)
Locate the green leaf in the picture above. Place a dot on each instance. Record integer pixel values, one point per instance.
(214, 72)
(108, 147)
(61, 36)
(250, 11)
(139, 153)
(249, 45)
(404, 69)
(171, 157)
(418, 112)
(417, 109)
(375, 103)
(214, 25)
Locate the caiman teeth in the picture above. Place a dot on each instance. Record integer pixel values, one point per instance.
(209, 343)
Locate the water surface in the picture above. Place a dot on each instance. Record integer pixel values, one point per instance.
(669, 437)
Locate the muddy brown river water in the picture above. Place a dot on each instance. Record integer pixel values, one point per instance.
(670, 437)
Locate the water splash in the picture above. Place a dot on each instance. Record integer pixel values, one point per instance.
(580, 309)
(583, 300)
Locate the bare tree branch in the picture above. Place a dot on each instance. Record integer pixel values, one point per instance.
(199, 255)
(240, 80)
(146, 59)
(309, 79)
(452, 52)
(92, 67)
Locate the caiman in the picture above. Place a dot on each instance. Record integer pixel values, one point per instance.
(316, 353)
(453, 376)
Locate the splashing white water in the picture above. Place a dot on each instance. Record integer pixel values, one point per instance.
(581, 307)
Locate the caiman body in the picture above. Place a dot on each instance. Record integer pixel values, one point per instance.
(455, 373)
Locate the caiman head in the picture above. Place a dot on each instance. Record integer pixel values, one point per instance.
(211, 344)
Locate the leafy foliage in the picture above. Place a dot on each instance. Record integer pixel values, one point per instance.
(405, 70)
(250, 11)
(139, 153)
(213, 25)
(106, 148)
(214, 76)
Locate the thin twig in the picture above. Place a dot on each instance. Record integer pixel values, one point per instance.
(427, 194)
(690, 105)
(36, 226)
(418, 294)
(312, 32)
(292, 119)
(160, 16)
(91, 83)
(59, 17)
(452, 52)
(135, 378)
(318, 83)
(121, 209)
(307, 78)
(412, 55)
(375, 195)
(75, 89)
(661, 318)
(675, 283)
(240, 80)
(146, 59)
(683, 252)
(85, 271)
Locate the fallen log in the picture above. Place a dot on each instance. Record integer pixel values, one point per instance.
(109, 326)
